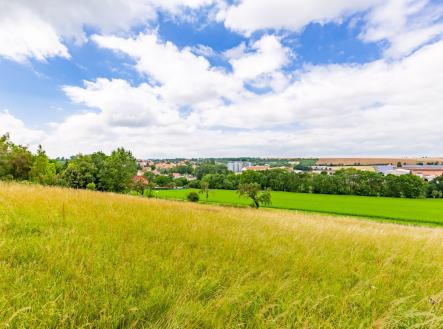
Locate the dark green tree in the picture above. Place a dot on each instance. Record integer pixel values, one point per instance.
(80, 172)
(118, 170)
(163, 180)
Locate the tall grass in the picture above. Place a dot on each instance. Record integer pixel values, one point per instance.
(85, 259)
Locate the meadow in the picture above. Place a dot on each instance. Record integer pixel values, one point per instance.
(416, 211)
(74, 258)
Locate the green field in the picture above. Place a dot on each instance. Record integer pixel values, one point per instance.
(72, 258)
(419, 211)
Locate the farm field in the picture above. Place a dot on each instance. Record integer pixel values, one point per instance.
(375, 161)
(419, 211)
(71, 258)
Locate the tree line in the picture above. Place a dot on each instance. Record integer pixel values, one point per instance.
(96, 171)
(344, 182)
(115, 172)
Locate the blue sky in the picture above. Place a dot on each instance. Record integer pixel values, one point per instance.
(215, 78)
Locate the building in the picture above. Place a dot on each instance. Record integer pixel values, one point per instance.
(237, 166)
(427, 172)
(164, 166)
(391, 170)
(256, 168)
(322, 169)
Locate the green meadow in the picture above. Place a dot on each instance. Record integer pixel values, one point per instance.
(418, 211)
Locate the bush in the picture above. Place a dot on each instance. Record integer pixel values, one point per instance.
(194, 184)
(91, 186)
(193, 197)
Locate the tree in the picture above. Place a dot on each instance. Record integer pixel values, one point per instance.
(99, 159)
(80, 172)
(436, 194)
(15, 160)
(435, 185)
(5, 165)
(118, 170)
(149, 175)
(163, 180)
(204, 189)
(194, 183)
(254, 192)
(42, 170)
(139, 184)
(20, 162)
(210, 168)
(148, 192)
(180, 182)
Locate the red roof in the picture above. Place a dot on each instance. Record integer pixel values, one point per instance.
(257, 168)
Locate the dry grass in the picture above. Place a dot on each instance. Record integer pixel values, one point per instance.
(84, 259)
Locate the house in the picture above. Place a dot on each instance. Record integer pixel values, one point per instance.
(164, 166)
(427, 172)
(256, 168)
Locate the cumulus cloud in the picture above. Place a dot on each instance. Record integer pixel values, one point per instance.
(19, 132)
(404, 24)
(248, 16)
(267, 55)
(23, 35)
(38, 28)
(120, 104)
(407, 25)
(190, 107)
(183, 77)
(380, 108)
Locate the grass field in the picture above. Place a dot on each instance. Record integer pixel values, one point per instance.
(94, 260)
(419, 211)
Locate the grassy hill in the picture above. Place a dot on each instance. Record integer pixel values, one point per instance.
(418, 211)
(83, 259)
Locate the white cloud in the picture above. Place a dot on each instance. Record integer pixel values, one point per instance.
(37, 28)
(381, 108)
(189, 107)
(18, 130)
(251, 15)
(23, 35)
(122, 105)
(183, 77)
(407, 25)
(404, 24)
(268, 56)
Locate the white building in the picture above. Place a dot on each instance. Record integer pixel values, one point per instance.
(237, 166)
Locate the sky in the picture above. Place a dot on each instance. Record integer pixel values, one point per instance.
(217, 78)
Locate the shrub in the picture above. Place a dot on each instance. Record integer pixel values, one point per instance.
(91, 186)
(194, 184)
(193, 197)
